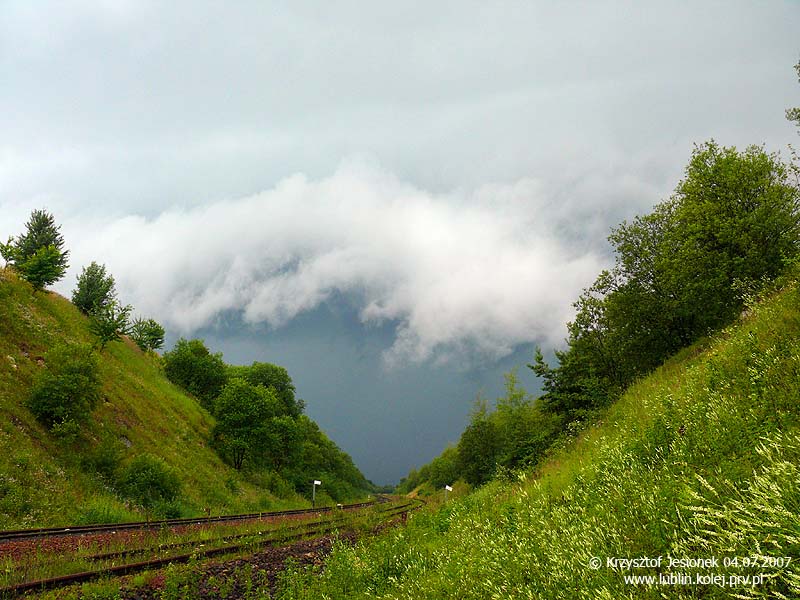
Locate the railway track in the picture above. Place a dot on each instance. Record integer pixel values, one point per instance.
(46, 532)
(250, 542)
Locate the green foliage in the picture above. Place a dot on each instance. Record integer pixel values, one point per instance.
(110, 322)
(149, 481)
(732, 224)
(271, 376)
(104, 459)
(68, 388)
(148, 334)
(281, 444)
(191, 366)
(54, 481)
(517, 434)
(320, 458)
(101, 510)
(43, 268)
(442, 470)
(698, 460)
(478, 448)
(793, 114)
(95, 289)
(38, 254)
(244, 430)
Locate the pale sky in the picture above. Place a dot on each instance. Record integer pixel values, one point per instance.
(397, 201)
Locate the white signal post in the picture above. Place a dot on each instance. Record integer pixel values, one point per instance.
(314, 493)
(447, 488)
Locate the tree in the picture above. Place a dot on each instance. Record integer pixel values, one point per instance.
(95, 289)
(147, 334)
(191, 366)
(478, 448)
(271, 376)
(38, 254)
(68, 388)
(282, 441)
(732, 223)
(793, 114)
(737, 219)
(242, 432)
(110, 322)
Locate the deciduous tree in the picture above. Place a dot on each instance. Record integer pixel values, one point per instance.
(95, 289)
(148, 334)
(193, 367)
(38, 254)
(242, 432)
(110, 322)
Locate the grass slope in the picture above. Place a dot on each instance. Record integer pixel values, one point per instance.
(46, 481)
(699, 460)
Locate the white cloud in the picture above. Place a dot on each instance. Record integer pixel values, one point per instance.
(483, 271)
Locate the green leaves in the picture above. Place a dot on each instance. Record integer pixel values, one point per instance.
(110, 322)
(793, 114)
(95, 289)
(147, 334)
(43, 267)
(148, 480)
(38, 254)
(193, 367)
(271, 376)
(68, 389)
(243, 430)
(733, 223)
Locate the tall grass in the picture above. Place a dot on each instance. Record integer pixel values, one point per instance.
(699, 460)
(45, 480)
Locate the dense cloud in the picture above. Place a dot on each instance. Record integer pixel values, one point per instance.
(167, 138)
(485, 270)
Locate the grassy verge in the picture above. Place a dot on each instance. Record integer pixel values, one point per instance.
(181, 581)
(45, 480)
(698, 461)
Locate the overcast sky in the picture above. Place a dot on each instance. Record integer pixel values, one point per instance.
(396, 201)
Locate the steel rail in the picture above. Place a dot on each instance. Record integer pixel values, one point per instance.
(259, 535)
(120, 570)
(43, 532)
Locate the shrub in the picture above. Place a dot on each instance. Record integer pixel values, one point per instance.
(149, 481)
(104, 460)
(191, 366)
(68, 389)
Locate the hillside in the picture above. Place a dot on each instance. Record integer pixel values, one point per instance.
(699, 460)
(48, 480)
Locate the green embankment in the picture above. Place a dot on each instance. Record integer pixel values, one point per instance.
(45, 480)
(700, 460)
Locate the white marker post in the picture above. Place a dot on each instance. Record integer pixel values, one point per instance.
(447, 488)
(314, 493)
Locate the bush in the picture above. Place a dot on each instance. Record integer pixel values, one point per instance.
(191, 366)
(149, 481)
(68, 389)
(104, 460)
